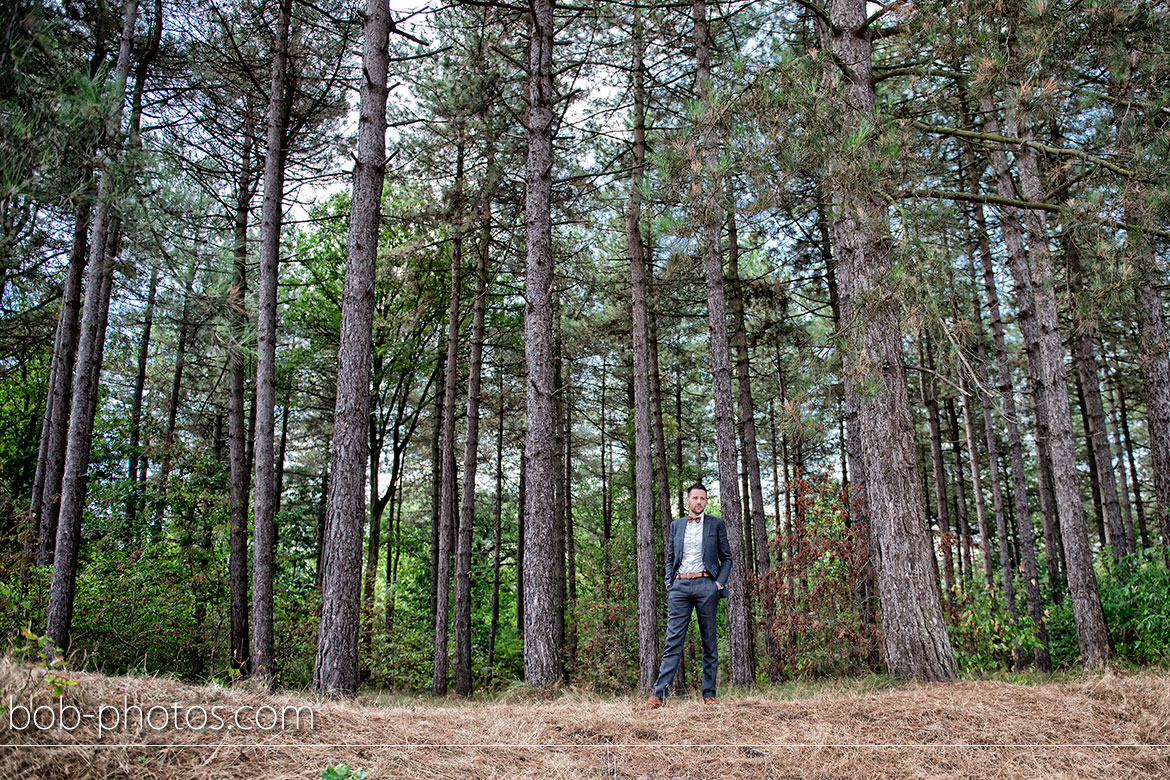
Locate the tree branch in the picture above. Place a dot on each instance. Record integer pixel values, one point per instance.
(996, 200)
(1056, 150)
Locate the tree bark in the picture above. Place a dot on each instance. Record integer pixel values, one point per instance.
(497, 537)
(87, 367)
(136, 407)
(1019, 494)
(173, 405)
(758, 529)
(1154, 346)
(1001, 519)
(643, 468)
(470, 461)
(447, 518)
(1119, 468)
(46, 499)
(264, 512)
(148, 56)
(1133, 472)
(938, 468)
(335, 672)
(237, 421)
(853, 464)
(1098, 435)
(977, 487)
(743, 667)
(437, 485)
(1092, 636)
(570, 542)
(661, 477)
(915, 638)
(960, 496)
(542, 653)
(1153, 335)
(1012, 232)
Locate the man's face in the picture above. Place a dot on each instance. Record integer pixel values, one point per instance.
(697, 501)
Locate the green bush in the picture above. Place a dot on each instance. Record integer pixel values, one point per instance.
(983, 633)
(1136, 600)
(1134, 597)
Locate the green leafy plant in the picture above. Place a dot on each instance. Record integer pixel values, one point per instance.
(39, 649)
(343, 772)
(983, 633)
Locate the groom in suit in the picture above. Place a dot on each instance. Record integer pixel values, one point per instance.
(698, 563)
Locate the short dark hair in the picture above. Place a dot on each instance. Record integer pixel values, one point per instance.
(697, 486)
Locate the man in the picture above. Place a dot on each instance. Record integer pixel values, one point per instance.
(698, 563)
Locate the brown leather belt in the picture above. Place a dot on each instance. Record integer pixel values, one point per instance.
(691, 575)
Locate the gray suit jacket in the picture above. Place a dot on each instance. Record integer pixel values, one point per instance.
(716, 549)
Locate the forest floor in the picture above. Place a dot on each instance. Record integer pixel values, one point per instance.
(1107, 725)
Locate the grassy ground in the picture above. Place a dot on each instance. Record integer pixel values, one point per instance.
(1107, 725)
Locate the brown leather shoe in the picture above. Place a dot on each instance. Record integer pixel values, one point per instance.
(709, 700)
(651, 703)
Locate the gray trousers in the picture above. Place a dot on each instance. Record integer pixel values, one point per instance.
(700, 594)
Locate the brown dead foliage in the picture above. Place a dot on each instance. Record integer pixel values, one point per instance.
(1110, 726)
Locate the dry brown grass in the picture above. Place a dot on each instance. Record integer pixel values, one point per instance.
(1109, 726)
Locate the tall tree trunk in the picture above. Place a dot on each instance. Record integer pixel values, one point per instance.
(437, 485)
(264, 512)
(46, 499)
(989, 432)
(1098, 435)
(1119, 467)
(393, 536)
(1012, 232)
(1092, 636)
(1154, 345)
(758, 535)
(520, 508)
(135, 142)
(496, 540)
(281, 449)
(977, 487)
(1154, 339)
(1019, 494)
(606, 509)
(237, 421)
(377, 509)
(570, 632)
(136, 408)
(743, 667)
(336, 669)
(1094, 481)
(447, 519)
(560, 500)
(1133, 472)
(661, 478)
(542, 653)
(938, 471)
(173, 405)
(643, 468)
(853, 464)
(960, 496)
(470, 462)
(87, 366)
(915, 638)
(1153, 335)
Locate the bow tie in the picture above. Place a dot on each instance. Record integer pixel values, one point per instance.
(698, 519)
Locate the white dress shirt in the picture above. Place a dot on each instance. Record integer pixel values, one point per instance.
(692, 552)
